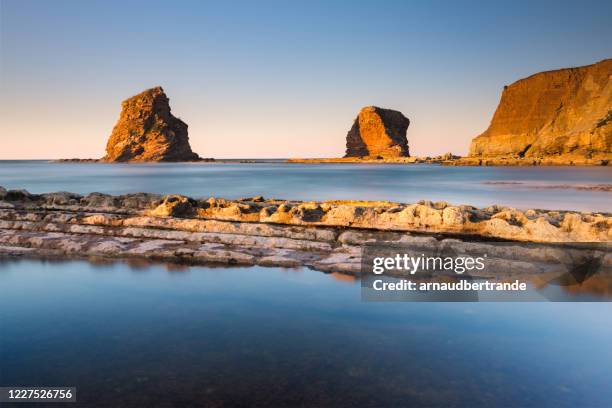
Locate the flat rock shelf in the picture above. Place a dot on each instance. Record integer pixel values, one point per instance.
(326, 236)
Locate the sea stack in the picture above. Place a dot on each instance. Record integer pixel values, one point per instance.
(378, 132)
(563, 115)
(147, 131)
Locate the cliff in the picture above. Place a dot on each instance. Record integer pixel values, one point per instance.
(563, 115)
(147, 131)
(378, 132)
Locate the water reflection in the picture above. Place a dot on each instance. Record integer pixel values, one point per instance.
(265, 337)
(558, 286)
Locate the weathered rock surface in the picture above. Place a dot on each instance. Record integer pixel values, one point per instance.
(378, 132)
(147, 131)
(326, 236)
(555, 117)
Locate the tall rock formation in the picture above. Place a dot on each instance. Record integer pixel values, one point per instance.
(378, 132)
(147, 131)
(564, 114)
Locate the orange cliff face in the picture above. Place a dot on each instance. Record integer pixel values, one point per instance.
(147, 131)
(378, 132)
(564, 114)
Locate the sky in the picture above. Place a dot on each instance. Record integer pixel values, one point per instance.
(277, 79)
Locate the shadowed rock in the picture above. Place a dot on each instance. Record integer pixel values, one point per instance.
(147, 131)
(378, 132)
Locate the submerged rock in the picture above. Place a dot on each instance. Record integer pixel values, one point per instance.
(378, 132)
(562, 116)
(147, 131)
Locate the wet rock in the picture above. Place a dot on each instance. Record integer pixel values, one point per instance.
(62, 198)
(18, 195)
(99, 200)
(139, 200)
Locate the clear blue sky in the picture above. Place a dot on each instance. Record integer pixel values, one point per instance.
(277, 79)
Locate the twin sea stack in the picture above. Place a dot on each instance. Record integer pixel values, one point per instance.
(554, 117)
(147, 131)
(378, 132)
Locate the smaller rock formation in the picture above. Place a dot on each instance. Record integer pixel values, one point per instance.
(378, 132)
(147, 131)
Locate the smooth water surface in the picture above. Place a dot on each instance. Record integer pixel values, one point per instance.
(310, 182)
(155, 335)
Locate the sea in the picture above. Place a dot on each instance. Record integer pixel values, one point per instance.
(141, 334)
(553, 188)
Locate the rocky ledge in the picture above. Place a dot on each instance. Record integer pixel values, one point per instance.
(447, 158)
(527, 161)
(326, 236)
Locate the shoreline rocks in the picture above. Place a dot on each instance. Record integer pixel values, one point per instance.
(526, 161)
(442, 159)
(327, 236)
(494, 222)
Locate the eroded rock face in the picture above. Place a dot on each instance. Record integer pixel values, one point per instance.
(563, 114)
(147, 131)
(378, 132)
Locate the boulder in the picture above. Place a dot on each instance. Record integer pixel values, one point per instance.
(378, 132)
(147, 131)
(174, 206)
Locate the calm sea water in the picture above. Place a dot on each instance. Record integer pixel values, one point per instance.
(155, 335)
(163, 335)
(459, 185)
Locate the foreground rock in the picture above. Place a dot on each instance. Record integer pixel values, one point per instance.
(378, 132)
(555, 117)
(326, 236)
(147, 131)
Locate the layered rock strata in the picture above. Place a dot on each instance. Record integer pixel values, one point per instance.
(554, 117)
(147, 131)
(378, 132)
(326, 236)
